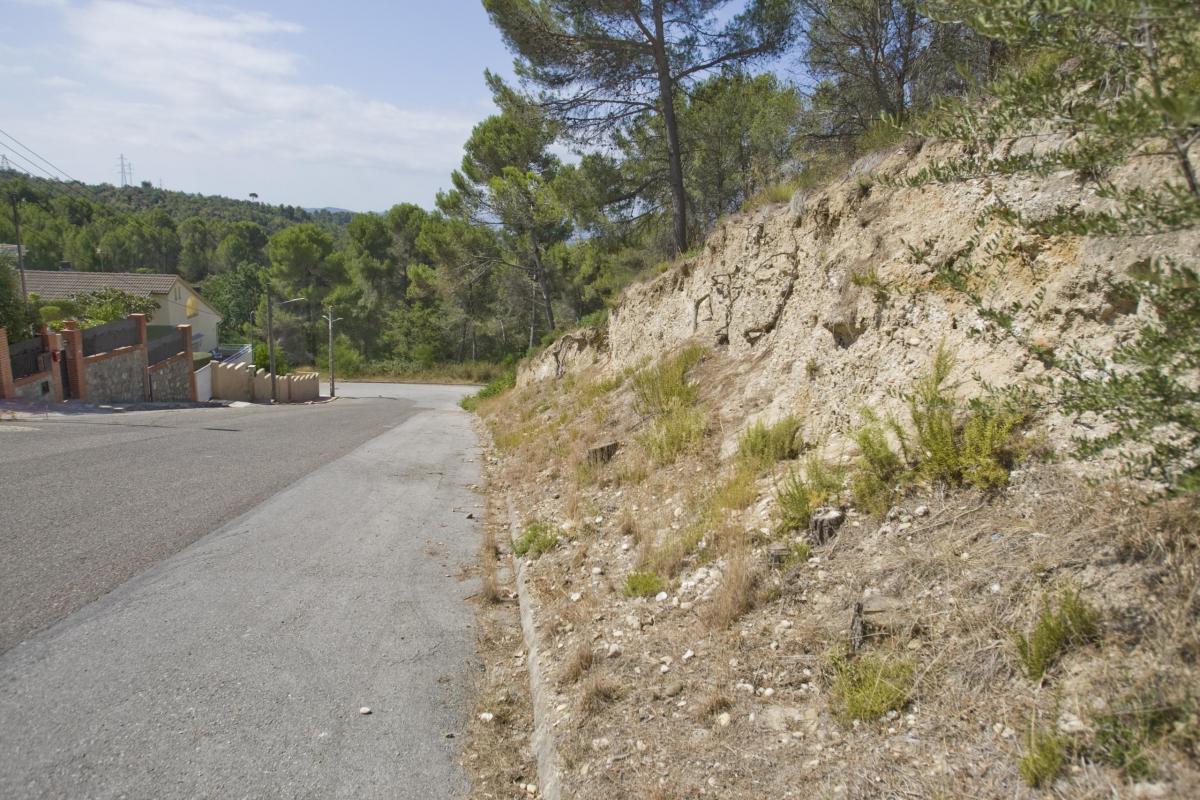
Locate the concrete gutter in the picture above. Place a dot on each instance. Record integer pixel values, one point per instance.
(542, 700)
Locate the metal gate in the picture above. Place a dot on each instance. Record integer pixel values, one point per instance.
(65, 373)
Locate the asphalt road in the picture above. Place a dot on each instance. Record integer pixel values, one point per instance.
(197, 603)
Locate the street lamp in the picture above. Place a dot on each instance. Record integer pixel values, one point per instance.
(328, 317)
(271, 337)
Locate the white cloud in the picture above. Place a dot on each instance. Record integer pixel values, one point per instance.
(167, 77)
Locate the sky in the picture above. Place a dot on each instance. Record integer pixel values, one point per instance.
(350, 104)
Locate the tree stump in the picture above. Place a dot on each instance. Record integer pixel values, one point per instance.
(823, 524)
(602, 453)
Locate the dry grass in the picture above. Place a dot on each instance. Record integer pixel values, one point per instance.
(489, 591)
(597, 693)
(736, 594)
(969, 573)
(714, 703)
(578, 663)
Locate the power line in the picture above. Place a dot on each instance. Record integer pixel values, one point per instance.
(70, 188)
(44, 160)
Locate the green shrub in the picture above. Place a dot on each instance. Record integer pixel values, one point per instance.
(496, 386)
(878, 469)
(262, 359)
(932, 409)
(660, 389)
(1059, 626)
(987, 451)
(797, 497)
(538, 538)
(1125, 736)
(1045, 753)
(800, 553)
(643, 584)
(678, 429)
(869, 686)
(762, 445)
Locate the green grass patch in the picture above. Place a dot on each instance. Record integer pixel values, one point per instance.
(762, 445)
(1126, 736)
(643, 584)
(672, 433)
(537, 538)
(1044, 756)
(869, 686)
(664, 387)
(1063, 623)
(878, 469)
(799, 495)
(739, 491)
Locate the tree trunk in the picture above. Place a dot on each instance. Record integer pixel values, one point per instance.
(543, 284)
(666, 98)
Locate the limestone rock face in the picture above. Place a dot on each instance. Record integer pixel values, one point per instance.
(832, 302)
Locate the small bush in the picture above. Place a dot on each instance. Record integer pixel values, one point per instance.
(673, 432)
(538, 538)
(987, 452)
(643, 584)
(797, 497)
(1072, 622)
(664, 388)
(1045, 753)
(878, 469)
(1125, 736)
(800, 553)
(496, 386)
(975, 448)
(762, 445)
(869, 686)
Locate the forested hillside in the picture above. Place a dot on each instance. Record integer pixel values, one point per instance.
(674, 114)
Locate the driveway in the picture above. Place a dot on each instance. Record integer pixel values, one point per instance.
(236, 659)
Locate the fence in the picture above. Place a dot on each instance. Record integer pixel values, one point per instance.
(162, 348)
(114, 363)
(245, 383)
(111, 336)
(25, 357)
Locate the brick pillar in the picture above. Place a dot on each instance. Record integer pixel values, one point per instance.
(76, 366)
(7, 391)
(52, 344)
(140, 319)
(185, 334)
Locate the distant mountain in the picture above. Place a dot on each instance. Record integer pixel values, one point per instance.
(329, 209)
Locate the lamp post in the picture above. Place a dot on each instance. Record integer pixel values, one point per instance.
(330, 319)
(271, 336)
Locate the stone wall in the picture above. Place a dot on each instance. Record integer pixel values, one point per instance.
(35, 388)
(171, 381)
(117, 378)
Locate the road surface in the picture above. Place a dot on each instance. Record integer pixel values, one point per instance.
(197, 603)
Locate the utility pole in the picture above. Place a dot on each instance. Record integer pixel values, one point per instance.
(271, 336)
(15, 198)
(330, 319)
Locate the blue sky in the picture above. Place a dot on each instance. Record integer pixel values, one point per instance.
(352, 104)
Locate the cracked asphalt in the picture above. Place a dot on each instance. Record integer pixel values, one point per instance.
(205, 613)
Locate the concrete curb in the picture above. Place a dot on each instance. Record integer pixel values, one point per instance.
(544, 745)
